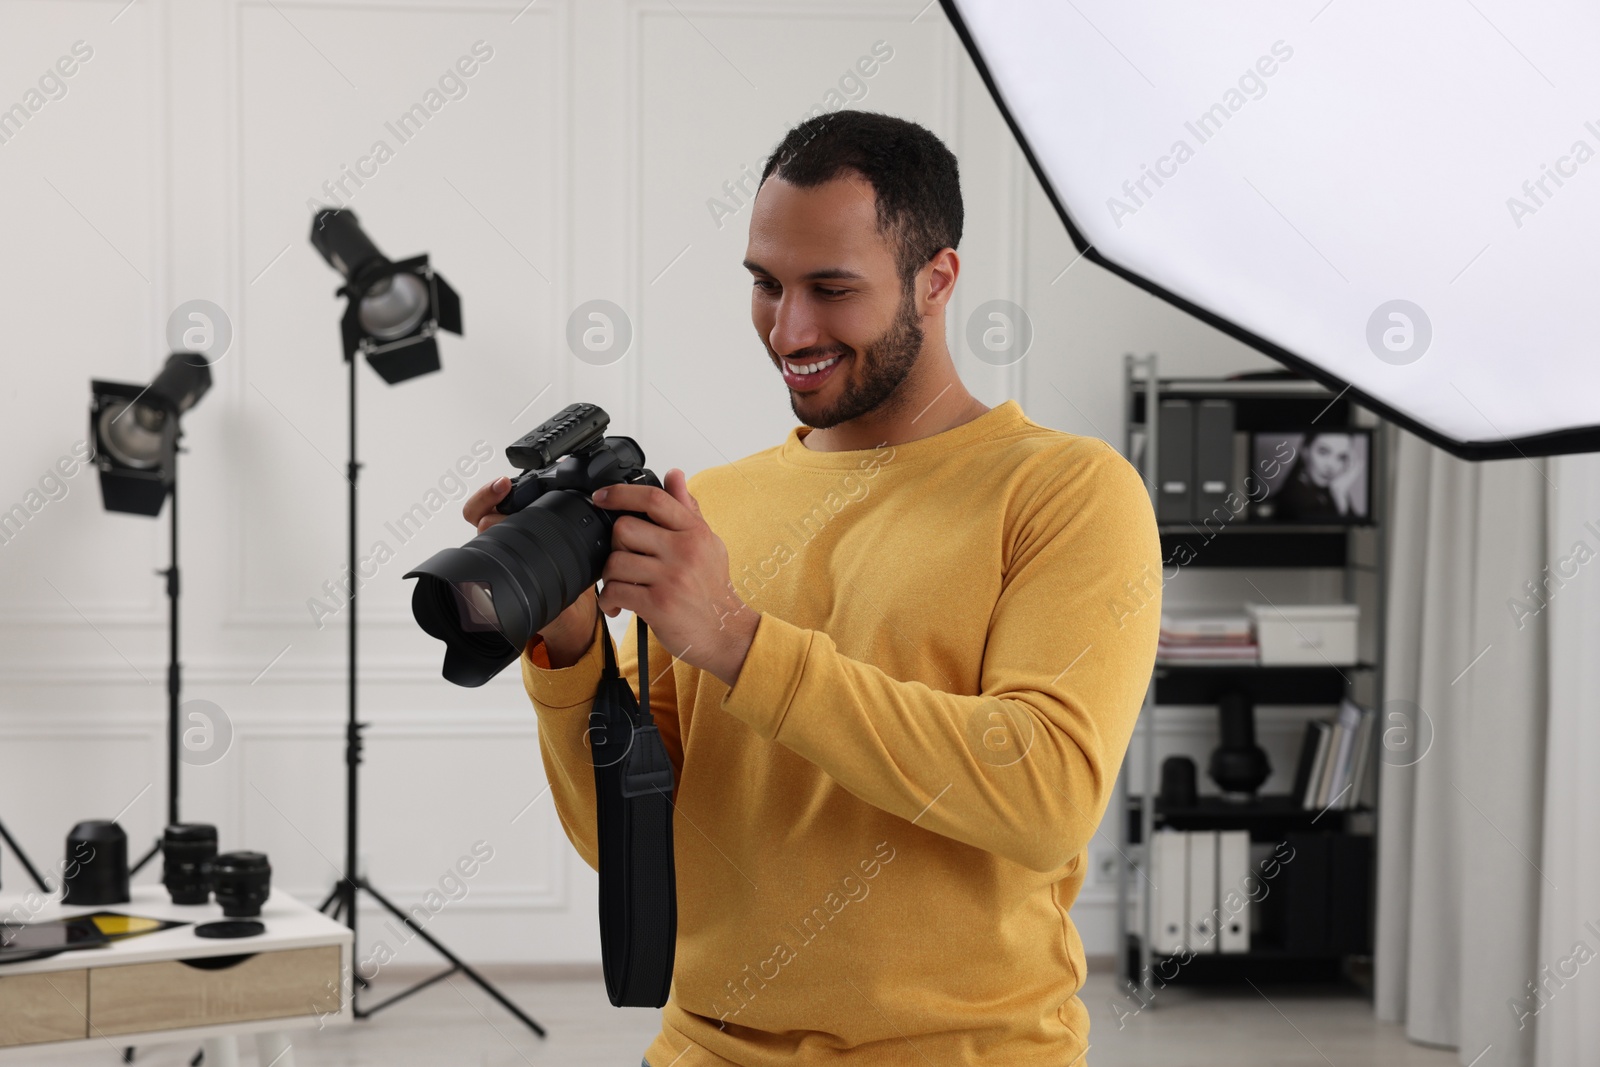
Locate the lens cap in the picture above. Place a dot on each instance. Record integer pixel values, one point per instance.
(230, 928)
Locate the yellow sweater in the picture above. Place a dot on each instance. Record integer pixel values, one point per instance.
(881, 827)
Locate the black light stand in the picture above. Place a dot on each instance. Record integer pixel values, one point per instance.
(174, 669)
(336, 235)
(138, 464)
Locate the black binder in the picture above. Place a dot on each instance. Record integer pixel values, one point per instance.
(1175, 461)
(1305, 895)
(1213, 460)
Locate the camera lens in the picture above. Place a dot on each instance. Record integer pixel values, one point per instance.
(187, 850)
(486, 599)
(241, 881)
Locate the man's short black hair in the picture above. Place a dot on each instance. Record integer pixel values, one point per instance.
(912, 173)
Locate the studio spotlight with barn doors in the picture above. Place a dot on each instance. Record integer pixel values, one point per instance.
(392, 316)
(395, 310)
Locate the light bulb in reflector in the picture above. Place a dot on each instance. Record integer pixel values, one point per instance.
(133, 437)
(394, 306)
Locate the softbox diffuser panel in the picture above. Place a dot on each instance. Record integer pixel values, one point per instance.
(1399, 198)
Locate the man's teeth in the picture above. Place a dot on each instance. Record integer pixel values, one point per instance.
(812, 368)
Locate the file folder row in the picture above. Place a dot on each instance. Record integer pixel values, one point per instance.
(1202, 890)
(1198, 461)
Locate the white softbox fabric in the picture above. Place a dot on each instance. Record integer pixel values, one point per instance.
(1401, 199)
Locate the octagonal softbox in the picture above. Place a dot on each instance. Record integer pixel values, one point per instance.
(1401, 200)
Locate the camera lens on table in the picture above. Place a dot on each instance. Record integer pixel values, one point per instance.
(187, 850)
(241, 882)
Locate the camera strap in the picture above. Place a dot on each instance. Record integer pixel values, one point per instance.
(633, 798)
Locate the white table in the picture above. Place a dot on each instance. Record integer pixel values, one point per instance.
(156, 988)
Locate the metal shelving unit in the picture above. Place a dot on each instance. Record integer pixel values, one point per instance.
(1288, 404)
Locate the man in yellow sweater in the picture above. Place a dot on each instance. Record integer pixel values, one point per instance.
(897, 658)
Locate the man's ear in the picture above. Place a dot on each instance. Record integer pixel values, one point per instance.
(940, 273)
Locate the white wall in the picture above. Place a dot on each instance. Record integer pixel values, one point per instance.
(577, 166)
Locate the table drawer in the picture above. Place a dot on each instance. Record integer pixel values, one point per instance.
(172, 994)
(44, 1007)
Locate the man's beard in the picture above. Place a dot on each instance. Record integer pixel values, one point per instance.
(884, 363)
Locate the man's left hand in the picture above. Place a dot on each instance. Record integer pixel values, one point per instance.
(672, 572)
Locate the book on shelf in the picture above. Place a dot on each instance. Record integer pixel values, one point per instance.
(1207, 654)
(1364, 777)
(1206, 634)
(1336, 769)
(1200, 623)
(1319, 766)
(1310, 754)
(1348, 728)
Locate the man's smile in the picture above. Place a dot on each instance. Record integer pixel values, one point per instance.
(809, 375)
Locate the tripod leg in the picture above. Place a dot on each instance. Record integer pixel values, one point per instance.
(466, 969)
(155, 850)
(22, 858)
(333, 895)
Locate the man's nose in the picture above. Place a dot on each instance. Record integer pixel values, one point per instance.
(793, 327)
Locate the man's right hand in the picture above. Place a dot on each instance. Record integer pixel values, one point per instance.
(568, 636)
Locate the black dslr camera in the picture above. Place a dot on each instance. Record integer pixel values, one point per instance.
(486, 599)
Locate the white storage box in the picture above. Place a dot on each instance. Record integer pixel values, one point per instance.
(1305, 634)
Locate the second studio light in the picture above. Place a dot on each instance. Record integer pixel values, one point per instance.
(135, 432)
(395, 309)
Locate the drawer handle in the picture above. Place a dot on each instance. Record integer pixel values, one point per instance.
(217, 963)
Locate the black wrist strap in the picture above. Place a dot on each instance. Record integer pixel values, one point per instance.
(633, 797)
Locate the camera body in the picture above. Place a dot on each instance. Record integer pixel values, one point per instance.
(487, 599)
(571, 453)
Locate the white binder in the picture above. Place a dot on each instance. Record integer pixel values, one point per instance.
(1168, 893)
(1202, 906)
(1234, 886)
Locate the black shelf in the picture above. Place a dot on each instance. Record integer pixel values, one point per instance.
(1268, 817)
(1229, 968)
(1259, 406)
(1242, 543)
(1208, 683)
(1315, 923)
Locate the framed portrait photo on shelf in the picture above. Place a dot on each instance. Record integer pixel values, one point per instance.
(1312, 476)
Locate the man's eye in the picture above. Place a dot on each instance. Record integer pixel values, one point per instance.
(833, 292)
(763, 285)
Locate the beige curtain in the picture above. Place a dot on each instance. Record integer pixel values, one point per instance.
(1480, 711)
(1569, 1023)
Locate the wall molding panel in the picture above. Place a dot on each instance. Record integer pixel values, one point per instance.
(570, 152)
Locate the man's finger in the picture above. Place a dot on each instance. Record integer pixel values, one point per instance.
(481, 503)
(662, 507)
(640, 538)
(677, 484)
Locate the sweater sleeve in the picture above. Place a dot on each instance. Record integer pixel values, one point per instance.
(562, 698)
(1025, 768)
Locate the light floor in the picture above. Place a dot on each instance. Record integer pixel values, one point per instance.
(453, 1024)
